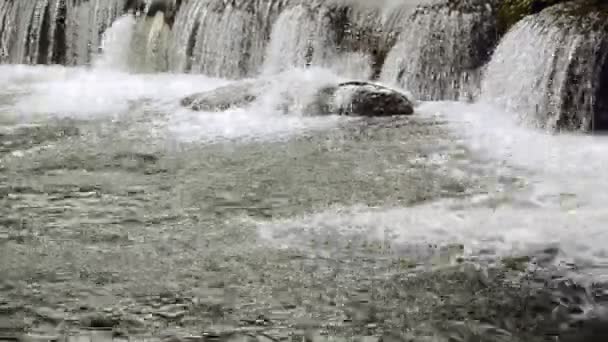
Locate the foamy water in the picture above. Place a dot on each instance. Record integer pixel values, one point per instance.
(40, 93)
(561, 204)
(84, 93)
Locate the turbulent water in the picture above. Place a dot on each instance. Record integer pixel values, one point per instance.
(100, 156)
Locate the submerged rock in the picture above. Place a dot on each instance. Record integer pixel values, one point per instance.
(347, 98)
(237, 94)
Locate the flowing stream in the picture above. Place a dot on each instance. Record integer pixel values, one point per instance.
(112, 193)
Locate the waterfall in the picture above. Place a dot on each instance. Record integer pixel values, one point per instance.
(242, 38)
(86, 22)
(549, 68)
(27, 30)
(301, 37)
(344, 36)
(54, 31)
(115, 54)
(148, 52)
(223, 39)
(438, 54)
(229, 39)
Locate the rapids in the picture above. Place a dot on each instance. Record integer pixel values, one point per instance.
(464, 170)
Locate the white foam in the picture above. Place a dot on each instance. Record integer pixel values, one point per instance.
(562, 163)
(45, 92)
(563, 203)
(84, 93)
(504, 231)
(280, 112)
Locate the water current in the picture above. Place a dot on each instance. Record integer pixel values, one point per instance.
(102, 171)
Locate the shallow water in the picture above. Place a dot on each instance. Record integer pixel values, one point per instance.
(111, 192)
(108, 184)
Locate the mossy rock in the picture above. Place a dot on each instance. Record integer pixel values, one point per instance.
(511, 11)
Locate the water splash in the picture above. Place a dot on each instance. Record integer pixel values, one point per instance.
(115, 45)
(553, 81)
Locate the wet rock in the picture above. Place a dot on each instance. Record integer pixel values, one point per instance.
(362, 99)
(220, 99)
(347, 98)
(511, 11)
(167, 7)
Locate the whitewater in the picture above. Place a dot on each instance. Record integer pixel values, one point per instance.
(474, 218)
(558, 202)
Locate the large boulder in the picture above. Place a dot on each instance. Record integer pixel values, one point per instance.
(362, 99)
(346, 98)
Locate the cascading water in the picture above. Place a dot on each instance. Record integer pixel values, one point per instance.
(438, 54)
(85, 24)
(27, 31)
(148, 53)
(553, 80)
(242, 188)
(224, 39)
(243, 38)
(337, 35)
(114, 55)
(301, 37)
(54, 31)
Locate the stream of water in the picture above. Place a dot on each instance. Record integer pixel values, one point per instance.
(250, 182)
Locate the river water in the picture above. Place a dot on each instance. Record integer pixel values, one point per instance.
(111, 192)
